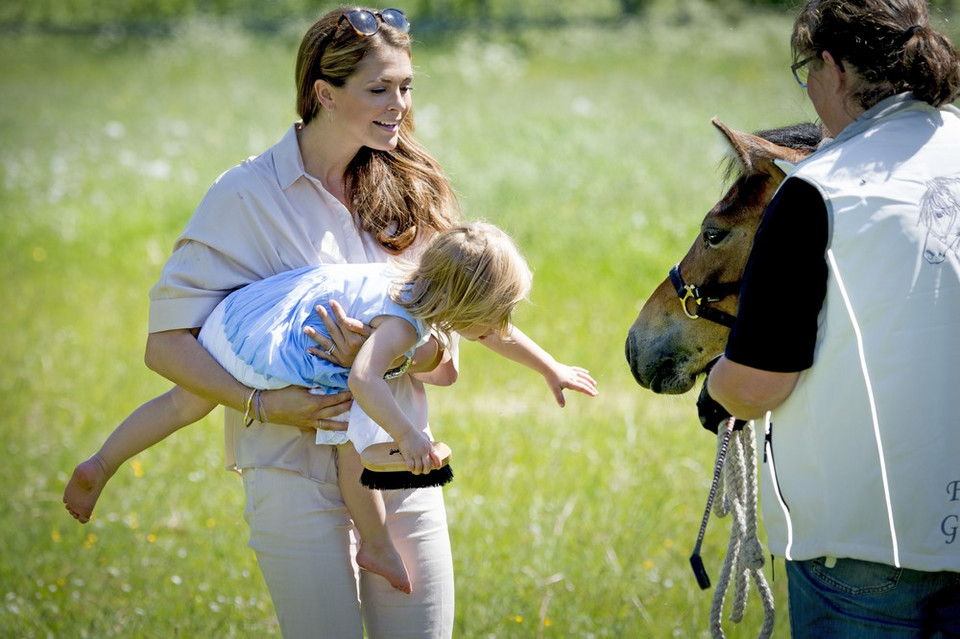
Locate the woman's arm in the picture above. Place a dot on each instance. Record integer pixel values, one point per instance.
(392, 337)
(523, 350)
(748, 393)
(178, 356)
(763, 359)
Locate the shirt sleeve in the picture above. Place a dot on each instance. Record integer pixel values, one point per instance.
(194, 280)
(784, 284)
(220, 250)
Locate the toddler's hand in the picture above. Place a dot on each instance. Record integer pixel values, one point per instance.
(418, 452)
(572, 377)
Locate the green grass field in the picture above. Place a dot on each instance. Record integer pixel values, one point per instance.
(592, 145)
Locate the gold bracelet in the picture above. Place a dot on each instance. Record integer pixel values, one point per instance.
(247, 405)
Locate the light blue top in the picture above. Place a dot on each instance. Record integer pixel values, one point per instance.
(264, 320)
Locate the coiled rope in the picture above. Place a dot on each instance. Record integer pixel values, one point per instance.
(735, 483)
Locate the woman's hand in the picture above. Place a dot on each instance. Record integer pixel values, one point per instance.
(347, 336)
(297, 406)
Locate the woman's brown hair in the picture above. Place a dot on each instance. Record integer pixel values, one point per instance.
(890, 43)
(395, 194)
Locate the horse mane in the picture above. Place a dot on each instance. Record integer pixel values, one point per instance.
(804, 136)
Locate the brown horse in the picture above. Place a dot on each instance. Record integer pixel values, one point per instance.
(685, 322)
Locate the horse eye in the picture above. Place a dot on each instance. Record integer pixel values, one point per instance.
(714, 236)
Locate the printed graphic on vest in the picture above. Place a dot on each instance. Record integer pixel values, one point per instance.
(940, 213)
(951, 523)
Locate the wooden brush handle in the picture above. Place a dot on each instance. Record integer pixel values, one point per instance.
(386, 458)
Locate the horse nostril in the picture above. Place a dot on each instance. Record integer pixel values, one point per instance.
(628, 350)
(631, 349)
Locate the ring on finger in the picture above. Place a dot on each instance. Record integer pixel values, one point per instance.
(329, 351)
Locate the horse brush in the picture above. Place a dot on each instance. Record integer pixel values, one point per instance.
(384, 468)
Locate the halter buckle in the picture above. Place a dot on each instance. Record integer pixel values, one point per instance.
(691, 292)
(713, 293)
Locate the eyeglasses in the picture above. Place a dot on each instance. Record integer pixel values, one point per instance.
(801, 71)
(366, 23)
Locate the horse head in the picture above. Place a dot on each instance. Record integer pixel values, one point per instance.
(685, 322)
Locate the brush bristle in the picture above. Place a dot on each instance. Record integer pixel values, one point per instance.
(403, 479)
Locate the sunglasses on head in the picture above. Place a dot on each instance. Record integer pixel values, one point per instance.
(366, 23)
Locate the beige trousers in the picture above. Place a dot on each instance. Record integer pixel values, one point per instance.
(305, 543)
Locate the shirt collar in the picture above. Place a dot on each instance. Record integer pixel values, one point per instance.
(287, 158)
(880, 111)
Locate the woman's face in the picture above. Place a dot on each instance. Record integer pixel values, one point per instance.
(827, 86)
(376, 98)
(816, 90)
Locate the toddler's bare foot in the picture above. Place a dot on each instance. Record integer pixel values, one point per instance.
(386, 562)
(84, 488)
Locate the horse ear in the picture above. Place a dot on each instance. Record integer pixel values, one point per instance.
(756, 154)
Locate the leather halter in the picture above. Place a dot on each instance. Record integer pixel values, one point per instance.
(701, 295)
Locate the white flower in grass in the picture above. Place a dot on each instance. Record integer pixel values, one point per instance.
(114, 130)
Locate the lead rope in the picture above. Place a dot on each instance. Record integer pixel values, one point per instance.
(736, 485)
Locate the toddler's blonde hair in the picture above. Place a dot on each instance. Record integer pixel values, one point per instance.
(472, 273)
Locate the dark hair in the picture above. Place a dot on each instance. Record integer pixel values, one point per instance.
(890, 43)
(395, 194)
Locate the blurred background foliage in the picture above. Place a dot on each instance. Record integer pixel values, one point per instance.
(582, 127)
(431, 16)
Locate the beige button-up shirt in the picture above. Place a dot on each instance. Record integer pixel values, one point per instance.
(259, 218)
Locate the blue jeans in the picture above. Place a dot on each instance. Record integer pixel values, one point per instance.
(864, 600)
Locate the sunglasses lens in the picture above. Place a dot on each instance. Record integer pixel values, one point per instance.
(396, 19)
(363, 22)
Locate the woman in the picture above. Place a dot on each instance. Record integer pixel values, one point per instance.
(849, 328)
(348, 183)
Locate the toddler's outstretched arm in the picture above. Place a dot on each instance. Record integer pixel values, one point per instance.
(523, 350)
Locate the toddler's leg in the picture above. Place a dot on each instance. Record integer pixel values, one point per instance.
(144, 427)
(377, 553)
